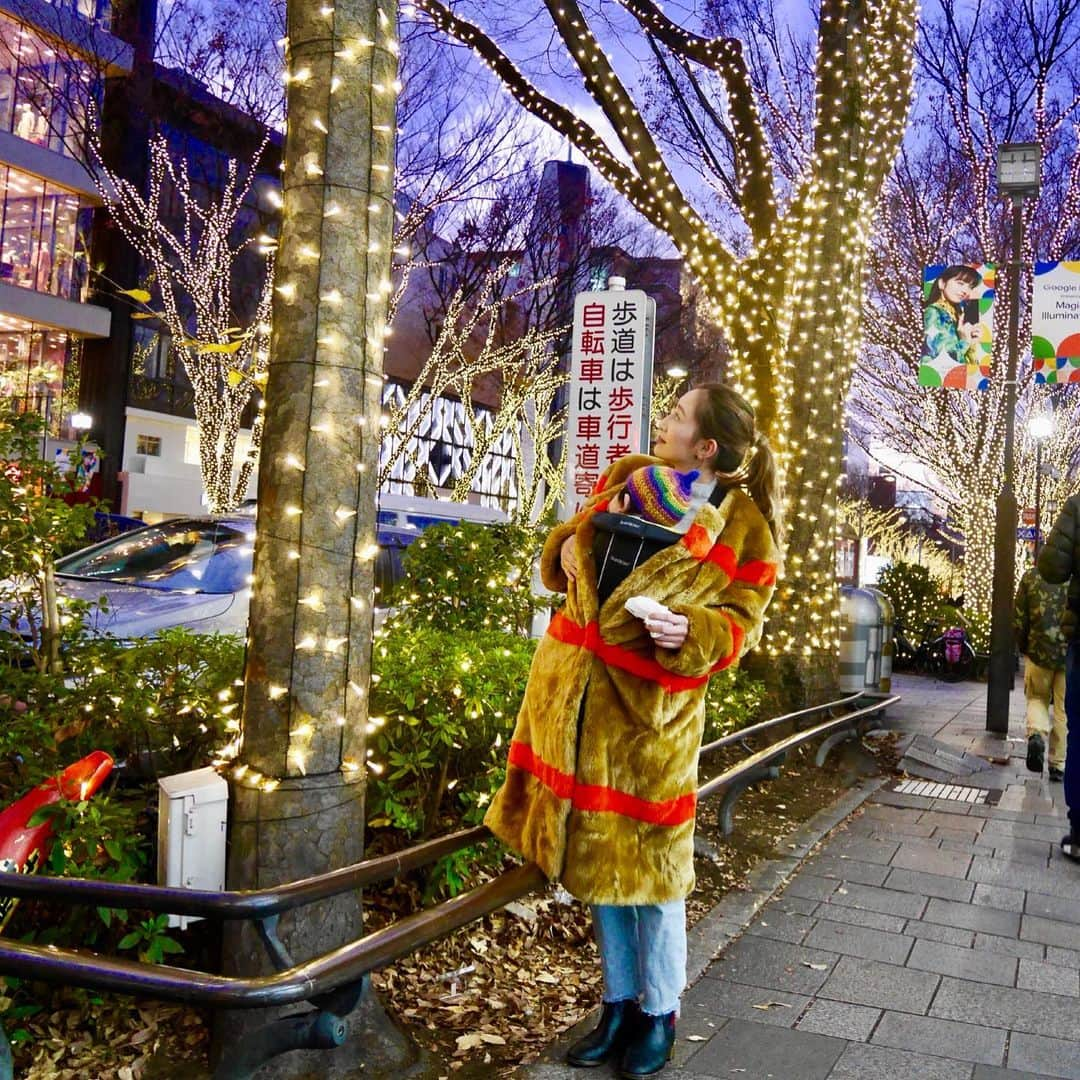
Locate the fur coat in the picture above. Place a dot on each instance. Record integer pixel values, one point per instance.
(602, 768)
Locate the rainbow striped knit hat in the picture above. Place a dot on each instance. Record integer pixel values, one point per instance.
(660, 494)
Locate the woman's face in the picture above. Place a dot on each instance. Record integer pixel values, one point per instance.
(677, 440)
(956, 290)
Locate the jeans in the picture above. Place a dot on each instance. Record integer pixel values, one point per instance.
(1072, 741)
(1044, 687)
(643, 953)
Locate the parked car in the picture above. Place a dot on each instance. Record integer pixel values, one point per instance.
(194, 571)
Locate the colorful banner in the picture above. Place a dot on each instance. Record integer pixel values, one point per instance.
(1055, 322)
(610, 386)
(957, 326)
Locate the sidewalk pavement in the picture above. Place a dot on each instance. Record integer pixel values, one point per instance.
(928, 939)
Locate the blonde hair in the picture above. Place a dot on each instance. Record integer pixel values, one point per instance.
(745, 457)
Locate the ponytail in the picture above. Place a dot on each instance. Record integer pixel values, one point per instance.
(745, 457)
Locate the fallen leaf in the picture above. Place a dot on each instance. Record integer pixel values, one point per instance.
(470, 1041)
(815, 967)
(695, 1038)
(765, 1005)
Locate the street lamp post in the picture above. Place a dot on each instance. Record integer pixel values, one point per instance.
(1040, 427)
(1018, 177)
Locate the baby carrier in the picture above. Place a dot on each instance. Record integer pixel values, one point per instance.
(623, 542)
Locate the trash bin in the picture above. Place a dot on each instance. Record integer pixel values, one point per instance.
(860, 640)
(885, 610)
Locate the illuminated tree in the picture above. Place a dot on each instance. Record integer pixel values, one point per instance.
(195, 255)
(299, 778)
(785, 283)
(940, 206)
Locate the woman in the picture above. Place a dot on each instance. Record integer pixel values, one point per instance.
(602, 769)
(949, 338)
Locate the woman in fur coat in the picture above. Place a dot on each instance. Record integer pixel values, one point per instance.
(602, 769)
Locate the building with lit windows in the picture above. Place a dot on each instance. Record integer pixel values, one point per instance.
(53, 57)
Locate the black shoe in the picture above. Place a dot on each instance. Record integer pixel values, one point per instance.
(1056, 774)
(650, 1048)
(618, 1022)
(1036, 753)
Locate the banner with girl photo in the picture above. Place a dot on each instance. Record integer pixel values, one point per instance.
(957, 326)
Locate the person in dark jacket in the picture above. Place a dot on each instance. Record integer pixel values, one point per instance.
(1059, 562)
(1037, 616)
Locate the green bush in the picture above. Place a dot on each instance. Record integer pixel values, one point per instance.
(914, 593)
(175, 695)
(469, 577)
(443, 704)
(733, 700)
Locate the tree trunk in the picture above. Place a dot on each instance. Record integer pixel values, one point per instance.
(298, 792)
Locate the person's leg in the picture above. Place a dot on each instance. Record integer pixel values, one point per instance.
(1058, 729)
(1072, 740)
(616, 936)
(661, 956)
(1037, 684)
(662, 967)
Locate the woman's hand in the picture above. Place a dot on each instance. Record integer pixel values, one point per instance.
(970, 331)
(568, 558)
(668, 630)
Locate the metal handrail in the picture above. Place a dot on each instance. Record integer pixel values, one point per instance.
(241, 904)
(341, 966)
(779, 749)
(765, 725)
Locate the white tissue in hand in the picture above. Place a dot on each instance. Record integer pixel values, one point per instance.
(645, 607)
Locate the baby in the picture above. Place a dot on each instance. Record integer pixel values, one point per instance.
(658, 493)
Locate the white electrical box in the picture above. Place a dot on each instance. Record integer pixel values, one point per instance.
(192, 814)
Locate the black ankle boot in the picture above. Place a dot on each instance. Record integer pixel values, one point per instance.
(1070, 844)
(649, 1050)
(618, 1022)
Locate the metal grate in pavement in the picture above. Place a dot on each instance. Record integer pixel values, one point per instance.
(930, 790)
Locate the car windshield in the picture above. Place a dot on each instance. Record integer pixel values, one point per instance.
(195, 556)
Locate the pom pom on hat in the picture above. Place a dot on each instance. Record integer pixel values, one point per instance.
(659, 493)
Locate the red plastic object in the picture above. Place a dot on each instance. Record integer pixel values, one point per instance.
(24, 846)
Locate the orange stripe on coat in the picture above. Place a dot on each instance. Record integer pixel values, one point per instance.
(754, 572)
(597, 798)
(564, 629)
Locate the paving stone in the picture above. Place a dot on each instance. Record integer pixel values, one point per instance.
(794, 905)
(828, 865)
(1003, 1006)
(807, 885)
(1048, 978)
(875, 920)
(941, 1038)
(957, 836)
(716, 997)
(839, 1018)
(781, 926)
(1022, 830)
(897, 830)
(947, 888)
(939, 819)
(1050, 1057)
(766, 1051)
(887, 901)
(884, 986)
(951, 935)
(859, 941)
(1053, 907)
(997, 814)
(1063, 957)
(902, 799)
(863, 848)
(860, 1061)
(757, 961)
(1028, 950)
(930, 859)
(998, 896)
(893, 815)
(969, 917)
(1052, 880)
(963, 963)
(1026, 852)
(993, 1072)
(1050, 932)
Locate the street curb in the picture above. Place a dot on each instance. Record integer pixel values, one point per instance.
(726, 922)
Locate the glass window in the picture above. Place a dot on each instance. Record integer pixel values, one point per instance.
(150, 445)
(42, 235)
(195, 556)
(33, 364)
(44, 95)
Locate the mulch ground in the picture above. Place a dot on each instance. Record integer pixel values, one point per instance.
(482, 1000)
